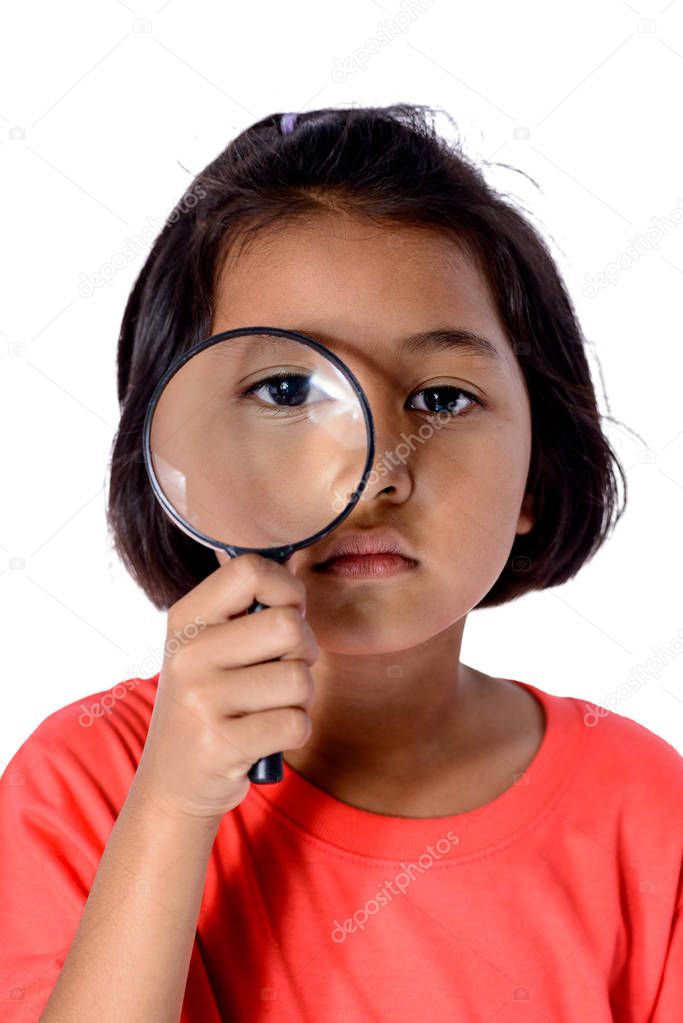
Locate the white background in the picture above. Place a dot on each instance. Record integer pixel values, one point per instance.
(107, 110)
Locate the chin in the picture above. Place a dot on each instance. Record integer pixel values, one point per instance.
(366, 625)
(372, 644)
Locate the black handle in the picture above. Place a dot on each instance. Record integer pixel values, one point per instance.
(268, 769)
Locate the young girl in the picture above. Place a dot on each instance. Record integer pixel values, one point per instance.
(444, 844)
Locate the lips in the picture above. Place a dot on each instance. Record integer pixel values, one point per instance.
(375, 542)
(368, 567)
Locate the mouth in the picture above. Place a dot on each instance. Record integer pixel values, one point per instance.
(366, 566)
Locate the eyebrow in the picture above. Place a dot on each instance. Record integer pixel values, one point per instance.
(445, 339)
(449, 339)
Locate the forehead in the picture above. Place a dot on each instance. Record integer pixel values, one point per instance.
(351, 278)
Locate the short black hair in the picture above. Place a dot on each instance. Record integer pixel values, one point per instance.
(388, 164)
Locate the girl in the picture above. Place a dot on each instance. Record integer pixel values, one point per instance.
(444, 843)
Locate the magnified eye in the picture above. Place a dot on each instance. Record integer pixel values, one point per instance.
(285, 390)
(445, 395)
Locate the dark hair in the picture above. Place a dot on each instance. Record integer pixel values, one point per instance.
(388, 164)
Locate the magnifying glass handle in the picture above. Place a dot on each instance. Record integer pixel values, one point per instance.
(268, 769)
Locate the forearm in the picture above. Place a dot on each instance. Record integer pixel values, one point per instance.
(130, 956)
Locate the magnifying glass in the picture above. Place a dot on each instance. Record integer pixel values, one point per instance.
(260, 440)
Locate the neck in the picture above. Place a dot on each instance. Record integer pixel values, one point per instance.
(396, 717)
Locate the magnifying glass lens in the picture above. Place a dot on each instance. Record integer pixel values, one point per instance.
(258, 441)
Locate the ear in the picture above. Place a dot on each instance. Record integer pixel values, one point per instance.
(526, 519)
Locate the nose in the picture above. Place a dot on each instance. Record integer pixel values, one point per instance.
(391, 474)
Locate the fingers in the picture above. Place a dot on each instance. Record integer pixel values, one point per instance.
(262, 636)
(233, 588)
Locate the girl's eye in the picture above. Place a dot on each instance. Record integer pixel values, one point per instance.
(286, 391)
(445, 395)
(283, 390)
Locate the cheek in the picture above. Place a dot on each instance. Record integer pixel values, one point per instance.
(475, 485)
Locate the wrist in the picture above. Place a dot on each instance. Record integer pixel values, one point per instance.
(146, 802)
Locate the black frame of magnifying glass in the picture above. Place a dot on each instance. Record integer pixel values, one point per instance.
(283, 552)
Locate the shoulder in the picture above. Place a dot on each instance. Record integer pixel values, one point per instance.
(89, 748)
(124, 710)
(630, 742)
(627, 763)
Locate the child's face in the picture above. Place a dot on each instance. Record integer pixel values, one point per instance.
(456, 499)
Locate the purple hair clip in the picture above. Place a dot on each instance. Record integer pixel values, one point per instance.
(287, 122)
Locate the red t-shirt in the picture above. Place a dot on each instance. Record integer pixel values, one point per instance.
(559, 900)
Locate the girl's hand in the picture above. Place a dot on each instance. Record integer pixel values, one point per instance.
(222, 700)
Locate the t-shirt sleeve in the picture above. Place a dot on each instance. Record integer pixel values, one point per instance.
(60, 795)
(669, 1001)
